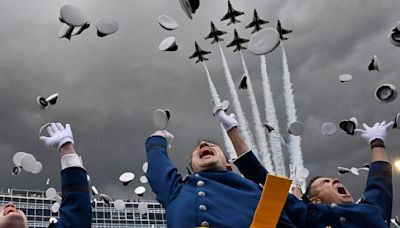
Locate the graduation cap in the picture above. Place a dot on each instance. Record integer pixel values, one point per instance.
(374, 64)
(52, 222)
(55, 207)
(145, 166)
(396, 221)
(16, 170)
(72, 16)
(94, 191)
(353, 170)
(296, 128)
(126, 178)
(106, 199)
(345, 78)
(140, 191)
(189, 6)
(243, 82)
(397, 121)
(51, 193)
(44, 102)
(365, 167)
(161, 118)
(269, 127)
(394, 35)
(106, 25)
(143, 179)
(386, 93)
(349, 126)
(168, 44)
(41, 101)
(167, 22)
(328, 128)
(142, 208)
(119, 205)
(264, 41)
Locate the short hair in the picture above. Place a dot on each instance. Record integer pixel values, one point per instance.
(308, 192)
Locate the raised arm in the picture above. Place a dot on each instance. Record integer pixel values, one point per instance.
(75, 210)
(379, 190)
(162, 175)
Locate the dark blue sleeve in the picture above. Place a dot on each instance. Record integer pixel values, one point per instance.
(162, 175)
(378, 191)
(251, 168)
(75, 210)
(296, 210)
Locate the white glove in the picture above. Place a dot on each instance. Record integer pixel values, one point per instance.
(298, 175)
(164, 133)
(228, 122)
(378, 131)
(58, 136)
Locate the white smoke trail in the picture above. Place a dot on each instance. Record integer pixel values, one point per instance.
(214, 95)
(243, 124)
(276, 148)
(294, 144)
(260, 132)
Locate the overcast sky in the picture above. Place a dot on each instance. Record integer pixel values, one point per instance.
(110, 86)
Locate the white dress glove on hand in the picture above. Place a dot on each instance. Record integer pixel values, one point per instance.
(164, 133)
(227, 121)
(378, 131)
(298, 175)
(58, 136)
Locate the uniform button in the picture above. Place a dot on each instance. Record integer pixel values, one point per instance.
(205, 224)
(196, 175)
(342, 219)
(200, 183)
(201, 194)
(333, 205)
(202, 207)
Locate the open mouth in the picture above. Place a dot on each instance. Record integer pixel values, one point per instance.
(205, 152)
(341, 190)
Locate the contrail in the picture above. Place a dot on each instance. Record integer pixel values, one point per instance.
(260, 132)
(276, 148)
(243, 124)
(294, 142)
(214, 95)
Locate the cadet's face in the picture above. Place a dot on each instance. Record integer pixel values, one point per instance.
(330, 191)
(208, 156)
(10, 217)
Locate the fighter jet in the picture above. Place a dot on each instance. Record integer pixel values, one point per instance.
(256, 23)
(237, 41)
(214, 34)
(199, 54)
(282, 31)
(231, 14)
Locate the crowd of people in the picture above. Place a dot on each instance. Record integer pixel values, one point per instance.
(215, 196)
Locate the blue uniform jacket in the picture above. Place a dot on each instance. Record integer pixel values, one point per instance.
(373, 211)
(75, 210)
(212, 198)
